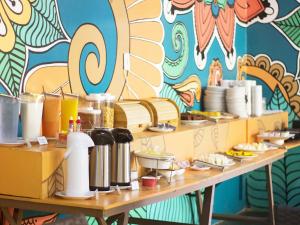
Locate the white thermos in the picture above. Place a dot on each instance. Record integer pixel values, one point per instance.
(77, 156)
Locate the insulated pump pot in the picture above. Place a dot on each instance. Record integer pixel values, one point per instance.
(120, 169)
(100, 160)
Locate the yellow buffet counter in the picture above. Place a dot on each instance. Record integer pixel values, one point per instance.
(37, 172)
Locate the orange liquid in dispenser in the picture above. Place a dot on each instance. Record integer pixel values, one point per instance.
(51, 116)
(69, 107)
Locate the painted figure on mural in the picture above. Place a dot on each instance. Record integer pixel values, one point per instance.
(217, 19)
(215, 73)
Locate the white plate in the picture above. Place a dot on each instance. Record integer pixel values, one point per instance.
(62, 194)
(255, 150)
(13, 144)
(157, 129)
(244, 157)
(202, 168)
(193, 122)
(275, 138)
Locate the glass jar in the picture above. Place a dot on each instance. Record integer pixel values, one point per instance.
(105, 103)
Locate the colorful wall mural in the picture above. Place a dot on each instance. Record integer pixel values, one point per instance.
(175, 48)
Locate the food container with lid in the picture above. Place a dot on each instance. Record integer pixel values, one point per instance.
(9, 118)
(31, 115)
(155, 160)
(90, 118)
(104, 102)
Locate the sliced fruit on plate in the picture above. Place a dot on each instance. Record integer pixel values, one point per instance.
(240, 153)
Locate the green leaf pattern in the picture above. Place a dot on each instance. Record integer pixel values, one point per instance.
(285, 173)
(286, 183)
(290, 26)
(43, 28)
(278, 102)
(12, 66)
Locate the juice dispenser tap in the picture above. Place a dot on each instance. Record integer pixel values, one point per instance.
(78, 164)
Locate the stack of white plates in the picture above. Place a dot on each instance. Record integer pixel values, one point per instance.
(236, 101)
(214, 99)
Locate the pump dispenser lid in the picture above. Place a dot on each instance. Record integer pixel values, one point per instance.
(102, 137)
(122, 135)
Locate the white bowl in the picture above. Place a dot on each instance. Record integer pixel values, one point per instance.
(155, 163)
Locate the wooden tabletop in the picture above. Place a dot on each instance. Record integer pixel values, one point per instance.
(114, 203)
(290, 144)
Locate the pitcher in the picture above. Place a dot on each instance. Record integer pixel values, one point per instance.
(78, 164)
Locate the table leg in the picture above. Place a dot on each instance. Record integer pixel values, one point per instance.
(18, 216)
(101, 220)
(110, 220)
(206, 215)
(13, 220)
(268, 169)
(123, 219)
(199, 204)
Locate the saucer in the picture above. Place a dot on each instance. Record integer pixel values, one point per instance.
(111, 190)
(158, 129)
(13, 144)
(62, 194)
(193, 122)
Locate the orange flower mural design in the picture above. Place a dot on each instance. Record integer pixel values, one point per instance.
(217, 18)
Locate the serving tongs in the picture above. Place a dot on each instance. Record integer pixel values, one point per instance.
(233, 157)
(222, 168)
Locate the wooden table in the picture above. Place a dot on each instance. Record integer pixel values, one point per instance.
(115, 207)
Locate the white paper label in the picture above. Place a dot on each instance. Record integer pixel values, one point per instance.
(42, 140)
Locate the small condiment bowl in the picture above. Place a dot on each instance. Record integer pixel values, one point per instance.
(148, 181)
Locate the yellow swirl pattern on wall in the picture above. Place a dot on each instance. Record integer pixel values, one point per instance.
(86, 34)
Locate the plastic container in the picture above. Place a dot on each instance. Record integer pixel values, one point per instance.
(90, 118)
(148, 181)
(69, 108)
(105, 103)
(31, 115)
(51, 116)
(9, 118)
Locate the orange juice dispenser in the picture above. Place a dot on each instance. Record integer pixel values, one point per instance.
(69, 108)
(51, 115)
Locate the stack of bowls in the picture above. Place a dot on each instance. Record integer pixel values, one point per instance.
(214, 99)
(236, 101)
